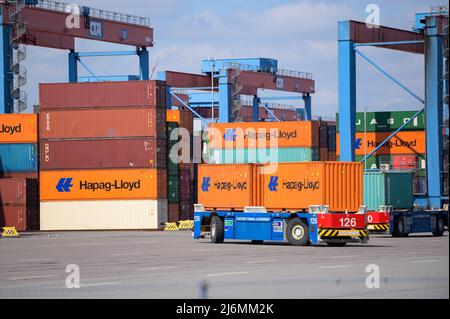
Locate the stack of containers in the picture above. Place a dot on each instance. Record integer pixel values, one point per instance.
(405, 151)
(172, 167)
(258, 142)
(181, 176)
(331, 128)
(323, 141)
(19, 190)
(103, 156)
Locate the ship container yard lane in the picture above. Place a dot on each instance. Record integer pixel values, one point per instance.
(265, 134)
(408, 142)
(102, 123)
(56, 96)
(102, 154)
(18, 128)
(103, 184)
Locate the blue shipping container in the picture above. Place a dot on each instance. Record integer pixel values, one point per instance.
(18, 158)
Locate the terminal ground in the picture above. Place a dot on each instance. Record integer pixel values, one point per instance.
(173, 265)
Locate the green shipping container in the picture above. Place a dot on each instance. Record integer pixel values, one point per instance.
(388, 188)
(263, 155)
(173, 187)
(387, 121)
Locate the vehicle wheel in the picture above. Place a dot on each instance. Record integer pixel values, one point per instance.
(257, 242)
(297, 232)
(337, 244)
(399, 227)
(217, 230)
(439, 227)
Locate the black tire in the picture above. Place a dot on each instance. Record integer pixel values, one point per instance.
(399, 228)
(439, 227)
(297, 232)
(336, 244)
(217, 230)
(257, 242)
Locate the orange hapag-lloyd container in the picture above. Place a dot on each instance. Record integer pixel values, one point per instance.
(103, 184)
(18, 128)
(296, 186)
(404, 142)
(227, 186)
(265, 134)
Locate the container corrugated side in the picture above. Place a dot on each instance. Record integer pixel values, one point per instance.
(227, 186)
(18, 157)
(101, 94)
(296, 186)
(103, 184)
(103, 215)
(18, 128)
(404, 142)
(374, 190)
(103, 154)
(264, 155)
(265, 134)
(23, 217)
(173, 213)
(13, 191)
(173, 189)
(103, 123)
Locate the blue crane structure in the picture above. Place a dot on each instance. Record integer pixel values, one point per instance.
(428, 38)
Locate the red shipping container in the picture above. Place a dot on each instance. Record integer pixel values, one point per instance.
(323, 135)
(103, 123)
(21, 217)
(181, 79)
(405, 162)
(26, 175)
(19, 191)
(173, 213)
(94, 154)
(185, 184)
(54, 96)
(13, 191)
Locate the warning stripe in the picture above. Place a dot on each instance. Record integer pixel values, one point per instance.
(336, 233)
(380, 227)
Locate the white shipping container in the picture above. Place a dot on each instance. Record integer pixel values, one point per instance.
(103, 214)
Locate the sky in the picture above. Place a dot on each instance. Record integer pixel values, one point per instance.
(300, 34)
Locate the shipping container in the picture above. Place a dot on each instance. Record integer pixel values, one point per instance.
(103, 215)
(18, 157)
(173, 214)
(332, 155)
(103, 123)
(26, 175)
(407, 142)
(18, 128)
(331, 137)
(420, 185)
(185, 184)
(265, 155)
(53, 96)
(265, 134)
(323, 135)
(387, 121)
(405, 162)
(173, 116)
(13, 191)
(141, 152)
(296, 186)
(173, 189)
(323, 154)
(227, 186)
(103, 184)
(186, 210)
(388, 188)
(22, 217)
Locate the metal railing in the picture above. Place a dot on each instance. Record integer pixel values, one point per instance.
(94, 13)
(278, 71)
